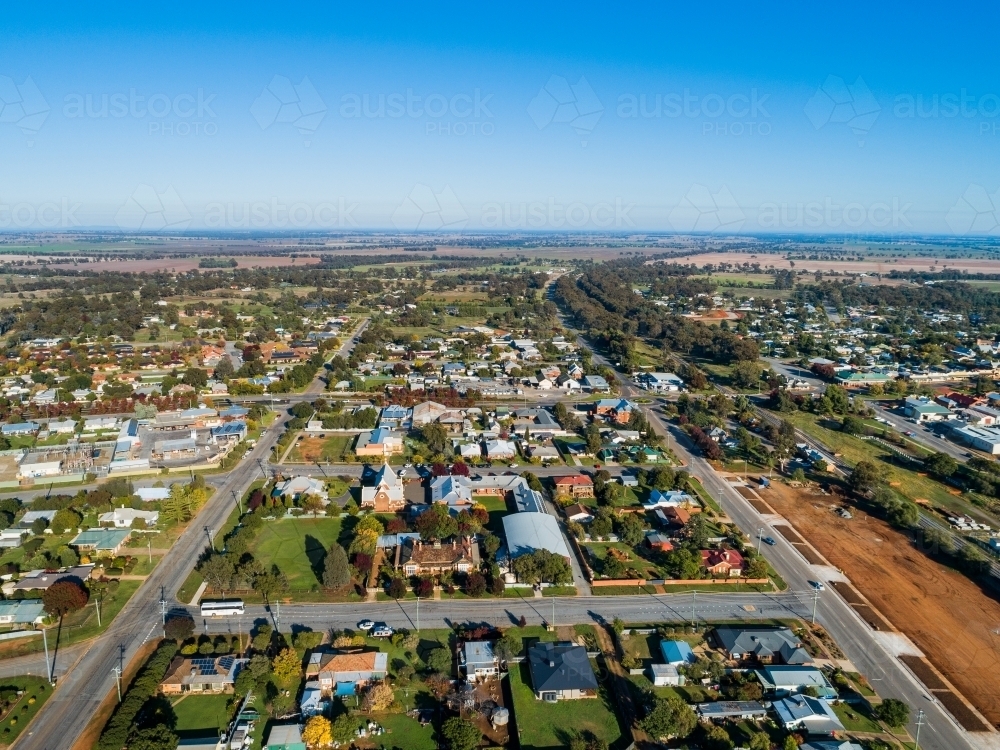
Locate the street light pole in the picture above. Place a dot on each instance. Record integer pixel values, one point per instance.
(920, 723)
(694, 604)
(118, 681)
(760, 534)
(815, 602)
(45, 641)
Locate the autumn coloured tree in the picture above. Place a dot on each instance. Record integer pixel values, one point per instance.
(64, 596)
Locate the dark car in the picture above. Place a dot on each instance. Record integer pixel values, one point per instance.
(769, 541)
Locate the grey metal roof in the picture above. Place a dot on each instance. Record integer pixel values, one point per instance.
(528, 532)
(560, 666)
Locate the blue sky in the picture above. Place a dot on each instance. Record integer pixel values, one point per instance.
(790, 119)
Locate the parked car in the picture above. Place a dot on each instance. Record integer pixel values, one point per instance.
(366, 625)
(769, 541)
(381, 631)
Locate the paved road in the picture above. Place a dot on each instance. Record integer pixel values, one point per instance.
(926, 437)
(63, 660)
(855, 638)
(505, 612)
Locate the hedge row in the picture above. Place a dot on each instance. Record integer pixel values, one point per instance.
(116, 731)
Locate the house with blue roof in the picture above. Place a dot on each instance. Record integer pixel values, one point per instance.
(677, 653)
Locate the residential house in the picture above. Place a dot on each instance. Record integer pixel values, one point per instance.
(617, 410)
(344, 673)
(526, 532)
(385, 494)
(500, 450)
(451, 490)
(28, 519)
(811, 715)
(22, 612)
(579, 513)
(209, 674)
(766, 645)
(298, 487)
(416, 557)
(101, 541)
(673, 518)
(574, 485)
(831, 745)
(152, 494)
(379, 442)
(123, 518)
(477, 660)
(722, 562)
(561, 671)
(677, 653)
(782, 681)
(40, 580)
(731, 710)
(20, 428)
(672, 499)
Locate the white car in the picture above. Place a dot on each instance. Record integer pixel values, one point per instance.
(366, 625)
(818, 585)
(382, 631)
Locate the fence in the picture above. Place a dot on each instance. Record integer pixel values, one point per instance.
(678, 582)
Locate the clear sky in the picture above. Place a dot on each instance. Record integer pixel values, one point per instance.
(693, 116)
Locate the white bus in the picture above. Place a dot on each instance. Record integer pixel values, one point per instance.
(222, 609)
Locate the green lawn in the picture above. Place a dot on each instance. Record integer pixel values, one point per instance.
(856, 717)
(16, 716)
(406, 733)
(202, 715)
(687, 693)
(543, 725)
(297, 547)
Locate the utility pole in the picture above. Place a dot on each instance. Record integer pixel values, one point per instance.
(920, 723)
(163, 609)
(45, 641)
(694, 604)
(239, 501)
(760, 534)
(149, 550)
(553, 611)
(118, 681)
(418, 613)
(277, 616)
(97, 606)
(815, 602)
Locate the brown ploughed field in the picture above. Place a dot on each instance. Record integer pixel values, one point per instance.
(944, 613)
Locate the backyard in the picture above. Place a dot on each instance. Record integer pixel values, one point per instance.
(542, 725)
(311, 450)
(202, 715)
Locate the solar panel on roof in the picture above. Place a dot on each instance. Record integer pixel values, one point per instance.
(204, 666)
(226, 663)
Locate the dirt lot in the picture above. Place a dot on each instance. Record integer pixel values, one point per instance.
(942, 611)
